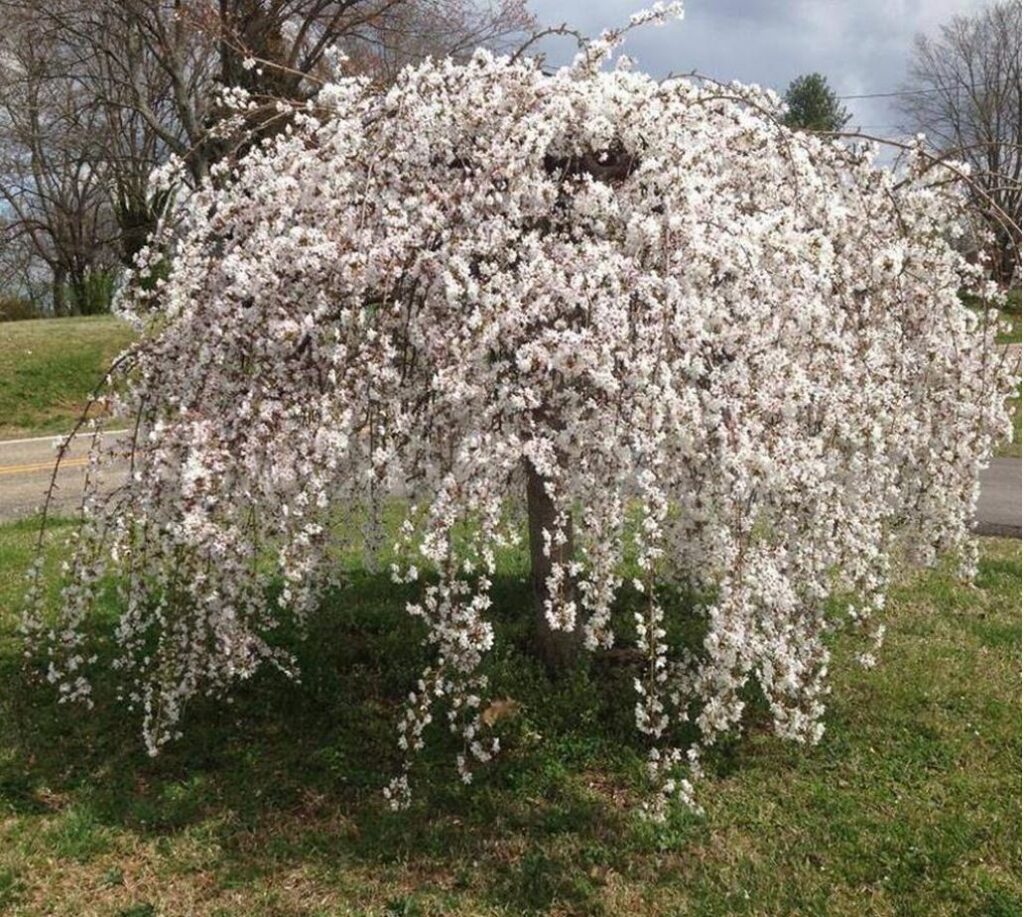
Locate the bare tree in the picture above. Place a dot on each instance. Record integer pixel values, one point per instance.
(51, 178)
(133, 82)
(412, 31)
(164, 60)
(964, 93)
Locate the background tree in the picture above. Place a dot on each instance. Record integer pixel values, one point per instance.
(141, 81)
(964, 93)
(51, 170)
(813, 106)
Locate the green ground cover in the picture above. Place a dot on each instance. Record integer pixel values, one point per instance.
(272, 804)
(48, 367)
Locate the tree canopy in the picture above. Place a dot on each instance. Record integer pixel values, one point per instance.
(813, 106)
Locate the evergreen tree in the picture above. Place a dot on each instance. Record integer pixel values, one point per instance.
(813, 106)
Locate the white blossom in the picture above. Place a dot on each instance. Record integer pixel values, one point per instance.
(666, 303)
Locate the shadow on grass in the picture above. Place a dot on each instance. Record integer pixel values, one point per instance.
(290, 774)
(274, 800)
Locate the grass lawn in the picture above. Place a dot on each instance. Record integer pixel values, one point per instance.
(1008, 314)
(1013, 448)
(49, 366)
(1013, 335)
(1012, 314)
(272, 805)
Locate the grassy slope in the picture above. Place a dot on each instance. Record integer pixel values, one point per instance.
(1013, 448)
(48, 367)
(910, 805)
(1012, 314)
(1011, 336)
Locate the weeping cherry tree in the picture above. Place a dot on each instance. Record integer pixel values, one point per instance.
(699, 348)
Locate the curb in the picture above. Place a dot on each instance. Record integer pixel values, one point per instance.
(997, 530)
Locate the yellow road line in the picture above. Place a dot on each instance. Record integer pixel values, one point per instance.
(42, 466)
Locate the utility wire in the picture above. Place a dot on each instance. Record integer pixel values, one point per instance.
(916, 92)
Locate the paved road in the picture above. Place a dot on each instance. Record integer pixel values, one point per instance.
(999, 505)
(26, 466)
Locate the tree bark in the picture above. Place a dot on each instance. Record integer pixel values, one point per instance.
(558, 649)
(59, 291)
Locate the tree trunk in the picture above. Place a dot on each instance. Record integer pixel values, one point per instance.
(78, 286)
(558, 649)
(59, 291)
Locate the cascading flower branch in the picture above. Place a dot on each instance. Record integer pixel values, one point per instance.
(732, 353)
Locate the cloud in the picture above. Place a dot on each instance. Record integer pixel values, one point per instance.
(862, 46)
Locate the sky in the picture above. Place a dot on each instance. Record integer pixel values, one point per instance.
(862, 46)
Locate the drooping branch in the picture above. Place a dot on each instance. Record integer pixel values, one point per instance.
(717, 352)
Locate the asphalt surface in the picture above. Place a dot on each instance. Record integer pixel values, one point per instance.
(999, 504)
(26, 466)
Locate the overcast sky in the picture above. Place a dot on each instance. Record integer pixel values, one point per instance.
(862, 46)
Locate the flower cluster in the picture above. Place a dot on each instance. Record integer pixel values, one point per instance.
(735, 356)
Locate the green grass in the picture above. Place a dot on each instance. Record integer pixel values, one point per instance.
(271, 805)
(1012, 448)
(1011, 313)
(1011, 336)
(48, 367)
(1008, 315)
